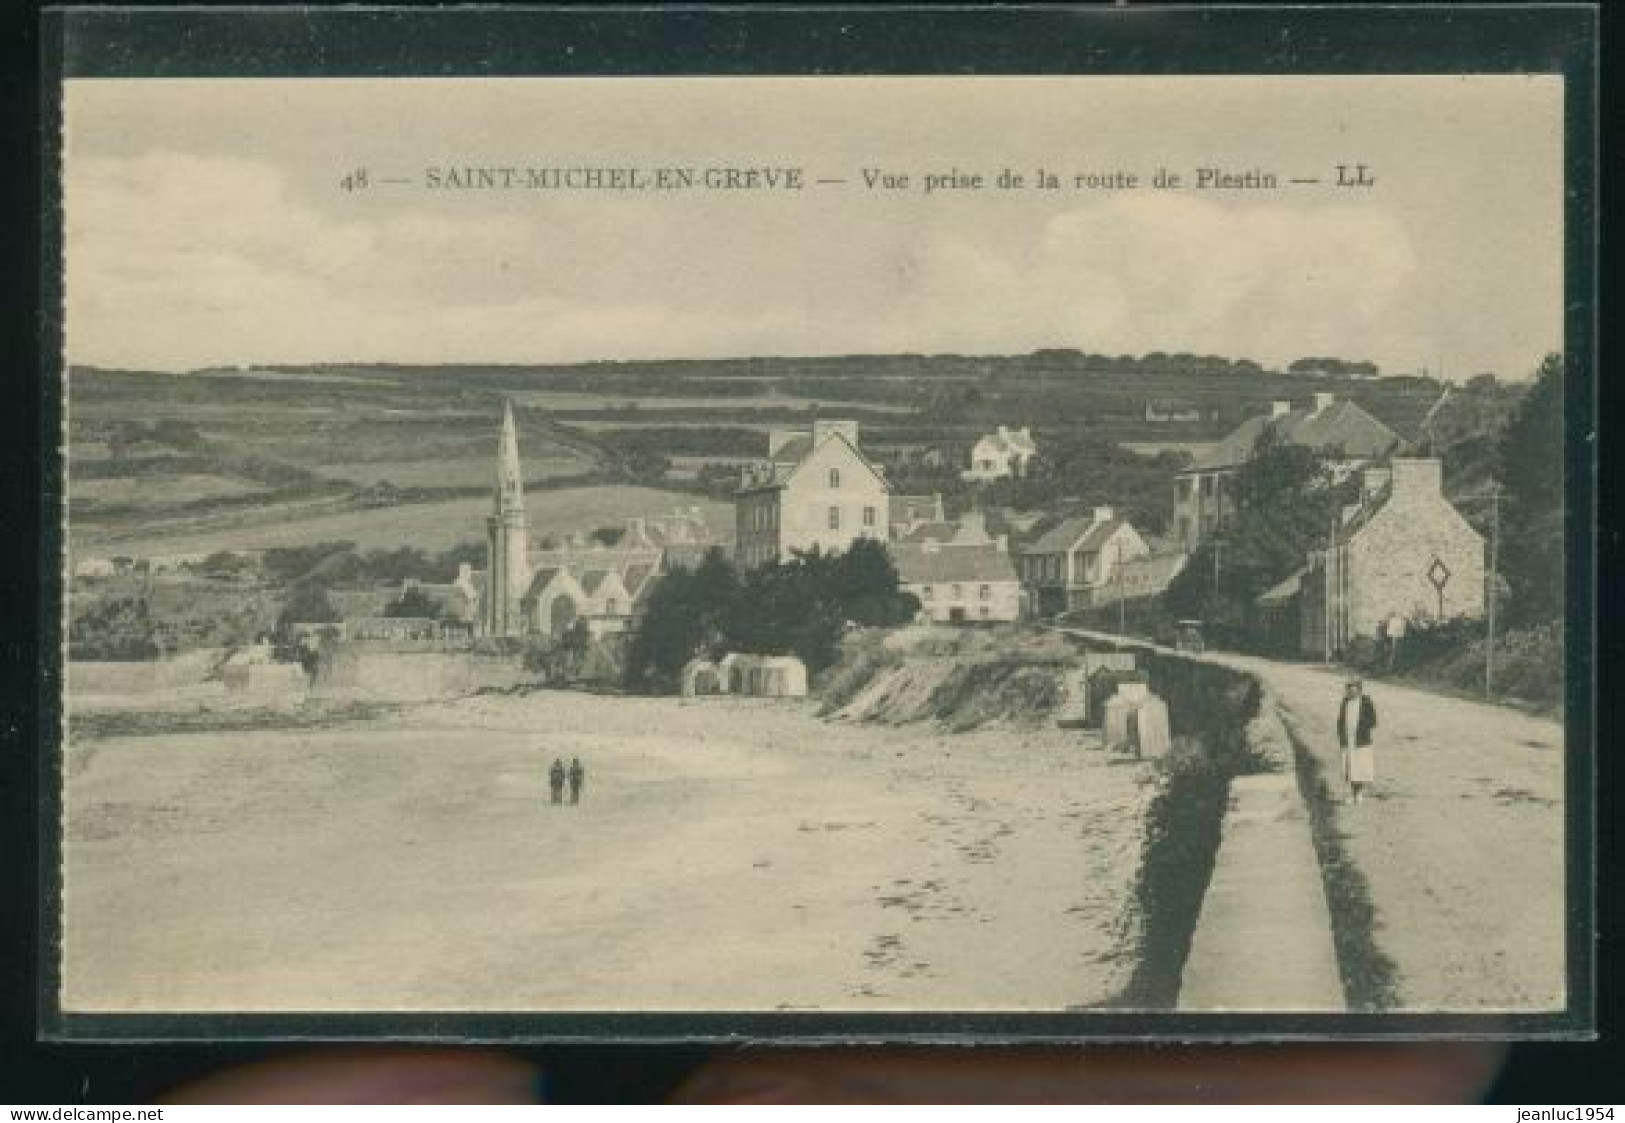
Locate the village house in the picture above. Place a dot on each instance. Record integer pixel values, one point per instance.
(970, 529)
(1002, 454)
(814, 489)
(1403, 550)
(1343, 432)
(1071, 565)
(910, 511)
(1163, 411)
(958, 584)
(1141, 578)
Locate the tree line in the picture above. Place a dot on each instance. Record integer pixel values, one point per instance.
(798, 607)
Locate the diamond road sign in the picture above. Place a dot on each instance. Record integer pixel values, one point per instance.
(1438, 573)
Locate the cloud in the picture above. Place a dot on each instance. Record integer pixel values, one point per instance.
(176, 260)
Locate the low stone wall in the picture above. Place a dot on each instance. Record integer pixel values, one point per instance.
(145, 677)
(347, 671)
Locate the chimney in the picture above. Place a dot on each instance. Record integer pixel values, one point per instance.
(1103, 514)
(634, 535)
(1280, 409)
(1324, 401)
(1004, 432)
(465, 573)
(1417, 475)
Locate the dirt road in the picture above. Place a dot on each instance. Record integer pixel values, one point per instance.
(1461, 841)
(729, 854)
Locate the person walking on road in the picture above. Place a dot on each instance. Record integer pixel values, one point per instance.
(577, 775)
(555, 780)
(1356, 720)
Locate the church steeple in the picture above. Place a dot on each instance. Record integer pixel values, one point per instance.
(507, 538)
(510, 490)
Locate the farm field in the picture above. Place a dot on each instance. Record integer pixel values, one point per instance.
(566, 400)
(428, 526)
(464, 471)
(155, 491)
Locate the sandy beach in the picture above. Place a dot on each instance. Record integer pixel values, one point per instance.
(729, 854)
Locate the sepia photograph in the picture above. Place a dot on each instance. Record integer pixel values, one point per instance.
(1078, 545)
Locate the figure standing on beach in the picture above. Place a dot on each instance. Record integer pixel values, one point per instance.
(1356, 719)
(555, 780)
(577, 775)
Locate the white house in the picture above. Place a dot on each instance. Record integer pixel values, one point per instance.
(814, 489)
(1074, 563)
(1000, 455)
(958, 584)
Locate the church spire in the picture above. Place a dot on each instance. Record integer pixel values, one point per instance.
(507, 539)
(510, 495)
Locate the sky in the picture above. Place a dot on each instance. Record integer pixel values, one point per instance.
(205, 221)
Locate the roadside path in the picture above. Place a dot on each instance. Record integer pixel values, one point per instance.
(1461, 841)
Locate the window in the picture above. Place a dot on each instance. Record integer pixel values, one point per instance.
(1207, 486)
(1184, 489)
(986, 593)
(984, 612)
(835, 518)
(929, 591)
(834, 477)
(612, 607)
(868, 516)
(959, 592)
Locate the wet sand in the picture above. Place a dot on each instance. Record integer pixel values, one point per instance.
(728, 854)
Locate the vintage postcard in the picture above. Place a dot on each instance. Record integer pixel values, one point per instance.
(1073, 546)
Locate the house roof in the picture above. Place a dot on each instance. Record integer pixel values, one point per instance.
(1285, 590)
(921, 565)
(906, 508)
(635, 576)
(930, 532)
(1343, 426)
(446, 597)
(1157, 568)
(1100, 534)
(778, 469)
(1082, 532)
(793, 451)
(1061, 537)
(1011, 440)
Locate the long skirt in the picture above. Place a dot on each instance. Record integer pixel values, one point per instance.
(1359, 764)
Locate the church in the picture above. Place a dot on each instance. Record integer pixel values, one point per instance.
(525, 590)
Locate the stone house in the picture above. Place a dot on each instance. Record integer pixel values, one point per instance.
(1403, 549)
(1073, 564)
(814, 489)
(1204, 492)
(1000, 455)
(957, 584)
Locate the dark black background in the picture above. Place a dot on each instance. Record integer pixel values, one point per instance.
(679, 42)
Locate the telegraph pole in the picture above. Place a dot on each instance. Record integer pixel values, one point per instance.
(1330, 584)
(1122, 601)
(1491, 588)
